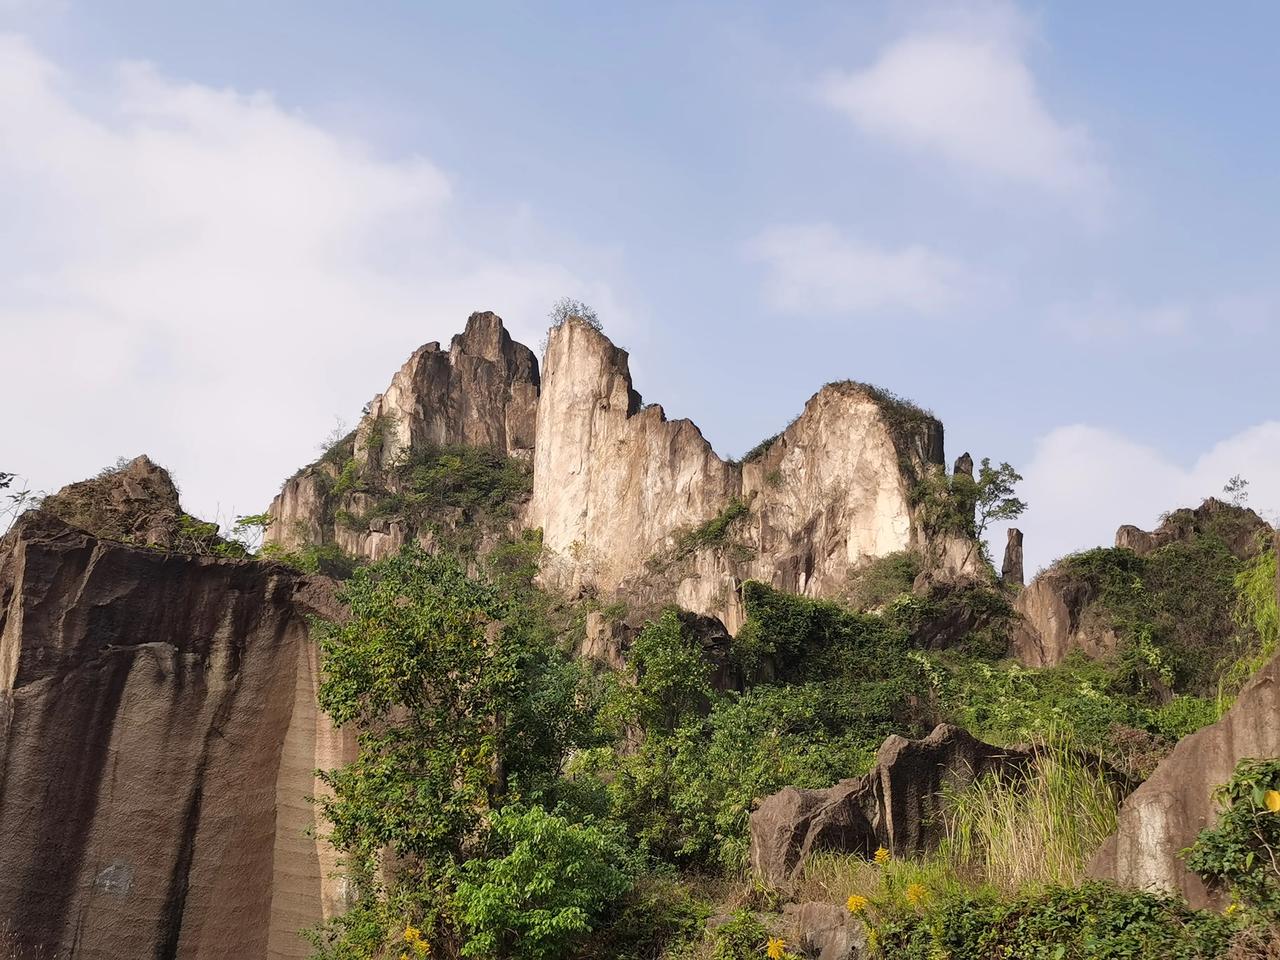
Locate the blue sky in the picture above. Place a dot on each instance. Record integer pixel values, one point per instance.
(1052, 224)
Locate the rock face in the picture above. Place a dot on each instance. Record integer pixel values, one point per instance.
(826, 931)
(632, 504)
(1011, 571)
(896, 805)
(1166, 814)
(1054, 618)
(482, 392)
(1242, 530)
(159, 738)
(135, 503)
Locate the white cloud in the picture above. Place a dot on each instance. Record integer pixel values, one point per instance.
(1104, 318)
(208, 277)
(1083, 482)
(815, 268)
(966, 93)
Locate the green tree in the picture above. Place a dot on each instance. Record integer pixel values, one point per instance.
(460, 709)
(546, 884)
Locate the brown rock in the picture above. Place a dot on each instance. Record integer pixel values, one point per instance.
(897, 805)
(158, 742)
(482, 392)
(1166, 814)
(825, 931)
(133, 503)
(1011, 571)
(1054, 618)
(1242, 530)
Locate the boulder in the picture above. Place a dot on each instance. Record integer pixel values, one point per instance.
(159, 741)
(1011, 572)
(897, 805)
(1166, 814)
(825, 931)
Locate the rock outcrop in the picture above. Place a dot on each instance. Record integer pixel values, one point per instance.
(1242, 530)
(1055, 616)
(1166, 814)
(897, 805)
(632, 504)
(159, 738)
(134, 503)
(1011, 571)
(481, 392)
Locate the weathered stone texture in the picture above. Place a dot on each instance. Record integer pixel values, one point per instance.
(1055, 617)
(158, 737)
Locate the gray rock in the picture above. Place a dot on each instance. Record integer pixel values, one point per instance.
(1011, 571)
(1242, 530)
(825, 931)
(897, 805)
(159, 737)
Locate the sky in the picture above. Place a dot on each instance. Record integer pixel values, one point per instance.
(223, 226)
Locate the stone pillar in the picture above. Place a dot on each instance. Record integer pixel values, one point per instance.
(1011, 570)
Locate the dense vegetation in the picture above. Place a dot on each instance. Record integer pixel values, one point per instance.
(507, 801)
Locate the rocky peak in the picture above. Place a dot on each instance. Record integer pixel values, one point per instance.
(135, 502)
(1242, 530)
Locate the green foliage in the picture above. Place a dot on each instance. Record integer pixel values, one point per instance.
(546, 886)
(1093, 921)
(328, 559)
(459, 708)
(658, 916)
(1257, 621)
(673, 677)
(884, 579)
(1039, 827)
(566, 308)
(761, 448)
(960, 505)
(1242, 851)
(713, 532)
(741, 937)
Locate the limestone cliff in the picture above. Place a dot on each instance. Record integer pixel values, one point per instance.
(481, 393)
(632, 504)
(159, 739)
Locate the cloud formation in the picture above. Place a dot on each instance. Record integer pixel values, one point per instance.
(1083, 482)
(814, 268)
(969, 97)
(206, 276)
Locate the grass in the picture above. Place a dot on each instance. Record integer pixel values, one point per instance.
(1002, 836)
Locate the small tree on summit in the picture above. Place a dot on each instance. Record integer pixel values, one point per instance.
(566, 308)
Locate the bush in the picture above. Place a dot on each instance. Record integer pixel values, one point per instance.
(883, 579)
(658, 916)
(1242, 851)
(1094, 921)
(546, 888)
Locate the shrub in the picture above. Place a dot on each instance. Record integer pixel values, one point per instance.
(658, 916)
(544, 890)
(1242, 851)
(883, 579)
(1094, 921)
(566, 308)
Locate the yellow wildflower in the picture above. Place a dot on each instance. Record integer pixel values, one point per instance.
(412, 934)
(776, 948)
(883, 856)
(915, 893)
(1232, 909)
(1272, 800)
(856, 903)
